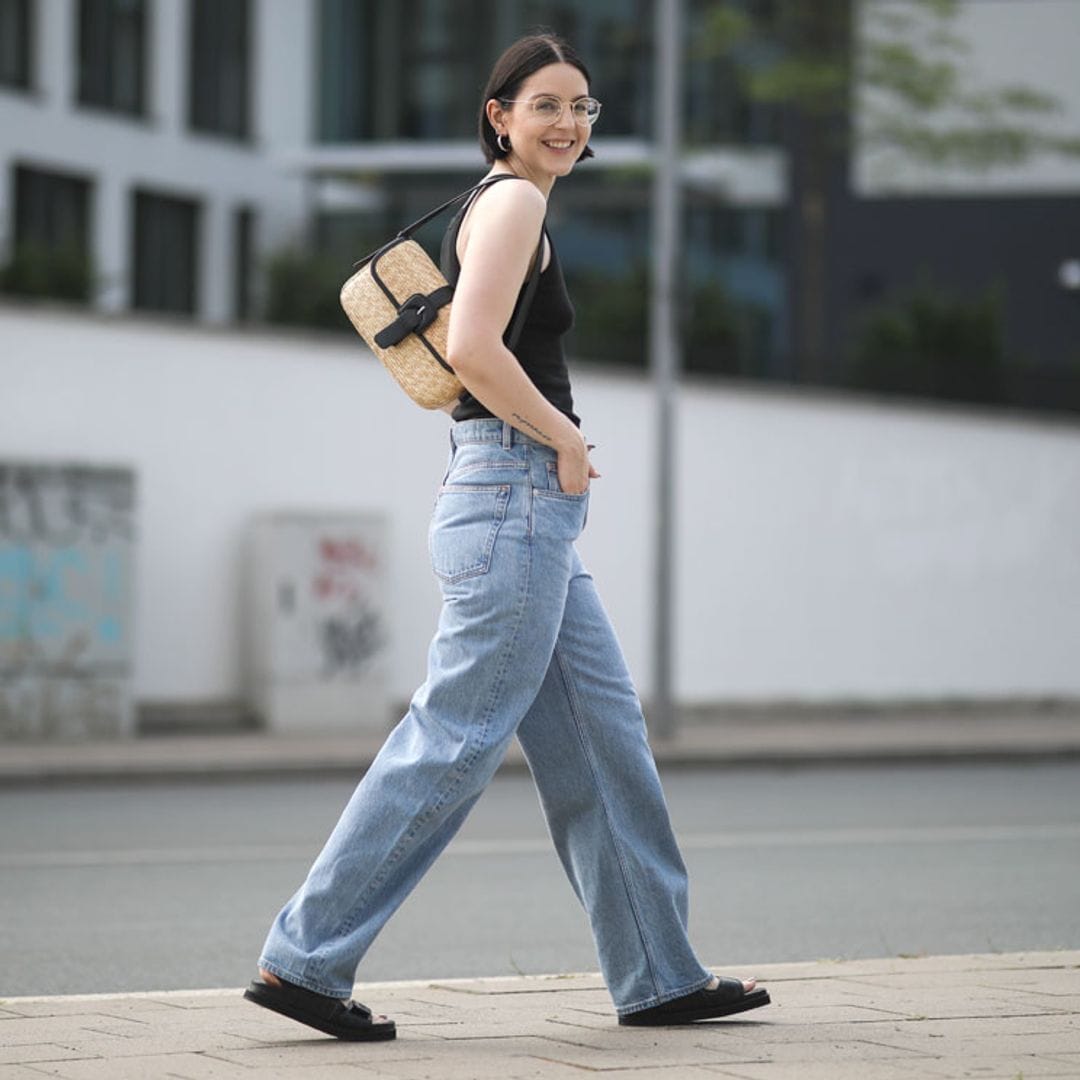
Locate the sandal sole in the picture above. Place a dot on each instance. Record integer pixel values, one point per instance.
(754, 1000)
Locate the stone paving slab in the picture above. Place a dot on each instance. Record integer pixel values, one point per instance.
(995, 1016)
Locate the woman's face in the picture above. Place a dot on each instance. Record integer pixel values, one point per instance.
(542, 148)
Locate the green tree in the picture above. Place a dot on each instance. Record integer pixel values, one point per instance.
(38, 271)
(916, 98)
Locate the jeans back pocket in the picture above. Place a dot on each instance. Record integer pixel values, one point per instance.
(464, 527)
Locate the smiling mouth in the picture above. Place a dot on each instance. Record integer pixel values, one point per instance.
(559, 144)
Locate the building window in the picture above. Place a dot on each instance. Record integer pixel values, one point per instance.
(368, 49)
(614, 38)
(112, 55)
(16, 41)
(165, 256)
(345, 71)
(219, 70)
(50, 226)
(243, 263)
(717, 106)
(414, 69)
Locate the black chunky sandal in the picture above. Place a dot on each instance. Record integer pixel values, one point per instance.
(342, 1019)
(726, 999)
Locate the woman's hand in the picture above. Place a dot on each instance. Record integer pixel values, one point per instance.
(575, 469)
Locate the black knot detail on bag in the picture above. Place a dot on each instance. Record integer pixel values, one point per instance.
(416, 314)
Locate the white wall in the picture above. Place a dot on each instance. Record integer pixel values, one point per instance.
(852, 550)
(828, 549)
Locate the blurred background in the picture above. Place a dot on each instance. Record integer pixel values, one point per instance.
(878, 195)
(878, 310)
(214, 502)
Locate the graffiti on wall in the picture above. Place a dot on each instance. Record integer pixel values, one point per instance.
(318, 646)
(66, 547)
(350, 627)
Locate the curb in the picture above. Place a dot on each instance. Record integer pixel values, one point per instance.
(209, 758)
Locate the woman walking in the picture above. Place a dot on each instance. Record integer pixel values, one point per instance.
(523, 645)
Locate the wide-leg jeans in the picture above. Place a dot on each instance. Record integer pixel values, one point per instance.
(524, 647)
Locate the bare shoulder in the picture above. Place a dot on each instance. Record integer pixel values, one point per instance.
(521, 193)
(507, 216)
(518, 200)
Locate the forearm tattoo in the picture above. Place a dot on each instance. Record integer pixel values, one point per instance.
(532, 427)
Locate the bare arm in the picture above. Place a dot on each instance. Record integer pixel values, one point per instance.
(504, 228)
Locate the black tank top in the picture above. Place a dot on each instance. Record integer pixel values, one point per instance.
(539, 348)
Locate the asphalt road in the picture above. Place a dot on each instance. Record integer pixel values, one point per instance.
(173, 885)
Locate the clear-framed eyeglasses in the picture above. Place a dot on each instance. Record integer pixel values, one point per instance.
(548, 109)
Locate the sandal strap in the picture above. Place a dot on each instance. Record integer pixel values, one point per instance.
(735, 986)
(360, 1010)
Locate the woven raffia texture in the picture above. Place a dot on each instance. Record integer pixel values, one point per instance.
(405, 269)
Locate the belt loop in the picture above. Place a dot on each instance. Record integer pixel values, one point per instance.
(507, 433)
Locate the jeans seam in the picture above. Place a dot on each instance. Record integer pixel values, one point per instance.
(575, 712)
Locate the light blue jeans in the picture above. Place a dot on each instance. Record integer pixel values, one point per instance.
(523, 647)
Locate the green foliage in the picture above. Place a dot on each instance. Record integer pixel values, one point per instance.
(727, 28)
(720, 335)
(799, 55)
(818, 84)
(920, 99)
(934, 345)
(302, 290)
(1001, 144)
(611, 320)
(43, 272)
(711, 331)
(918, 96)
(897, 66)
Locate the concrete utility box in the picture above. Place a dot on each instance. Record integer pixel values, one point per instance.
(317, 645)
(67, 541)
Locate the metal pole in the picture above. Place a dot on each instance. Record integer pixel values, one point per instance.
(663, 341)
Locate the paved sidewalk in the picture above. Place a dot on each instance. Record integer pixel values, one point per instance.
(754, 737)
(995, 1016)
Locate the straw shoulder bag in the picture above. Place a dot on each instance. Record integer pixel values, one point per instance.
(399, 302)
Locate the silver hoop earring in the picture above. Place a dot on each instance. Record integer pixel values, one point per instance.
(499, 142)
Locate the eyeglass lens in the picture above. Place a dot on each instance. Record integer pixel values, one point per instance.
(550, 109)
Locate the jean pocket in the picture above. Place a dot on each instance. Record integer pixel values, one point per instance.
(559, 516)
(555, 488)
(464, 527)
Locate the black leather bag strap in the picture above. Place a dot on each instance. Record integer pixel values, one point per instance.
(406, 233)
(420, 222)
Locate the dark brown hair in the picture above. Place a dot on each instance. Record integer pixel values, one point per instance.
(524, 58)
